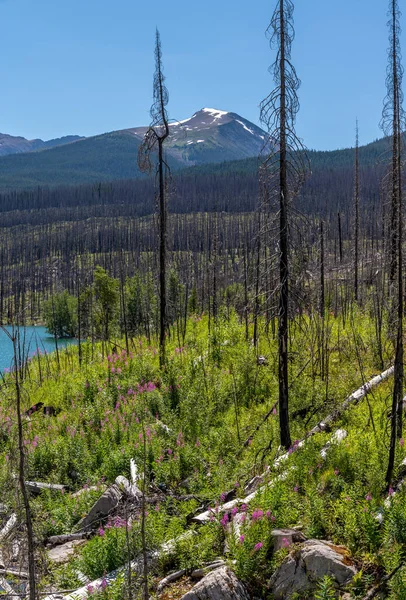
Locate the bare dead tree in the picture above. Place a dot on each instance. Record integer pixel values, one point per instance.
(283, 173)
(19, 357)
(153, 141)
(392, 123)
(356, 210)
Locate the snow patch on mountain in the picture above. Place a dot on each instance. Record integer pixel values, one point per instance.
(215, 113)
(245, 127)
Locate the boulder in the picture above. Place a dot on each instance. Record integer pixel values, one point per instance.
(283, 538)
(221, 584)
(62, 554)
(101, 508)
(129, 489)
(304, 567)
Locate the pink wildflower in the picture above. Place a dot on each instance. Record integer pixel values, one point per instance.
(224, 520)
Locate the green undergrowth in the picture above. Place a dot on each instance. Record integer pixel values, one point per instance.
(192, 420)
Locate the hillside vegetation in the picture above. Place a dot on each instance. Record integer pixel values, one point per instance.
(186, 428)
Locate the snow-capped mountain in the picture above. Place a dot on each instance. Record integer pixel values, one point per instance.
(211, 135)
(208, 136)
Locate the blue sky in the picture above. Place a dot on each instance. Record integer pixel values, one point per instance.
(85, 66)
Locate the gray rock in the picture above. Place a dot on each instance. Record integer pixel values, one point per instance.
(303, 568)
(221, 584)
(62, 554)
(129, 489)
(283, 538)
(101, 508)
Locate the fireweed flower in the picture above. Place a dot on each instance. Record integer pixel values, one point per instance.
(258, 546)
(368, 497)
(242, 538)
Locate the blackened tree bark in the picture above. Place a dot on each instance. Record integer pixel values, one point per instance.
(154, 140)
(282, 173)
(356, 210)
(392, 122)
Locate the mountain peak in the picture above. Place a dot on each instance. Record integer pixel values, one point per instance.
(214, 112)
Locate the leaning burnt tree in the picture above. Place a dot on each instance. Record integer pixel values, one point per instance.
(282, 174)
(153, 142)
(392, 124)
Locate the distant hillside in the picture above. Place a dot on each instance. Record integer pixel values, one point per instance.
(10, 144)
(210, 142)
(209, 136)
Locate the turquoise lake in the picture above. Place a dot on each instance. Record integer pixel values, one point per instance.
(34, 339)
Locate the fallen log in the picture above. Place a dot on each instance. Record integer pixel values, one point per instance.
(354, 398)
(8, 528)
(202, 572)
(36, 487)
(136, 566)
(11, 593)
(322, 426)
(58, 540)
(15, 573)
(208, 515)
(378, 588)
(170, 579)
(196, 574)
